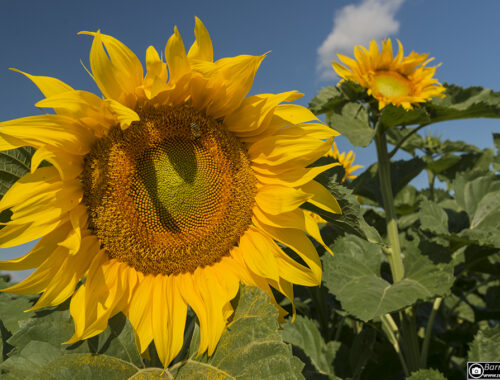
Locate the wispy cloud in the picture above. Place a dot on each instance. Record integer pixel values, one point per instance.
(357, 25)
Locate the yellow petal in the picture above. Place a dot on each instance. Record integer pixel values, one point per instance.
(253, 115)
(257, 251)
(88, 108)
(47, 85)
(168, 318)
(298, 219)
(125, 115)
(119, 75)
(321, 197)
(58, 131)
(291, 177)
(228, 82)
(202, 47)
(105, 292)
(69, 166)
(293, 150)
(29, 185)
(277, 199)
(78, 218)
(38, 281)
(175, 54)
(157, 75)
(191, 295)
(296, 240)
(62, 284)
(139, 312)
(40, 252)
(15, 234)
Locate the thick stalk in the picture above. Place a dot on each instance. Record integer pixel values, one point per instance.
(391, 331)
(432, 180)
(428, 331)
(410, 339)
(395, 259)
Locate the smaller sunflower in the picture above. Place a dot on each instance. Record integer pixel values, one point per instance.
(345, 159)
(402, 81)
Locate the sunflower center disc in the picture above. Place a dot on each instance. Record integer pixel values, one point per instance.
(392, 84)
(171, 193)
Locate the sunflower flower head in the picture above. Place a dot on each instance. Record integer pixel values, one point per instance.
(401, 81)
(168, 191)
(346, 159)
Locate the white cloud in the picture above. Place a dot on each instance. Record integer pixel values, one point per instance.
(357, 25)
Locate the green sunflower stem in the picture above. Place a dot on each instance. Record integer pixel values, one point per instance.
(428, 332)
(395, 259)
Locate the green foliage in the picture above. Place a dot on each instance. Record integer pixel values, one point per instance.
(251, 348)
(427, 374)
(14, 164)
(486, 345)
(353, 275)
(367, 184)
(306, 337)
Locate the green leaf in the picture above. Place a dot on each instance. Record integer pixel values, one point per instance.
(496, 161)
(12, 309)
(14, 164)
(426, 374)
(150, 373)
(118, 340)
(433, 218)
(393, 116)
(353, 276)
(251, 348)
(469, 188)
(333, 98)
(406, 201)
(486, 345)
(412, 139)
(304, 334)
(86, 367)
(32, 357)
(443, 163)
(402, 172)
(464, 103)
(329, 99)
(54, 328)
(353, 124)
(350, 220)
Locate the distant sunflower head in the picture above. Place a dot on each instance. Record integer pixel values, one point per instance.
(168, 191)
(346, 160)
(401, 81)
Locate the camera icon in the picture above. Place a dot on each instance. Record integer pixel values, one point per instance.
(476, 371)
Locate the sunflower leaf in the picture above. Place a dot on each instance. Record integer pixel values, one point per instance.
(464, 103)
(353, 276)
(251, 348)
(393, 116)
(433, 218)
(353, 123)
(13, 306)
(402, 172)
(13, 165)
(486, 345)
(426, 374)
(304, 335)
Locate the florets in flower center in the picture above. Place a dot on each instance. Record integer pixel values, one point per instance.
(171, 193)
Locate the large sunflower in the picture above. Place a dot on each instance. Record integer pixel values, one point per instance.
(402, 81)
(165, 194)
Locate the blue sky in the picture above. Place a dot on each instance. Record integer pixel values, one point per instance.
(39, 37)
